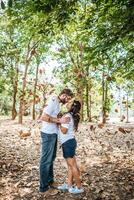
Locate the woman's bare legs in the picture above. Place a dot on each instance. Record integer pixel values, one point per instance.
(75, 173)
(70, 177)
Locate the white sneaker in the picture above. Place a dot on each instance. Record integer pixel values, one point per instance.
(63, 187)
(76, 190)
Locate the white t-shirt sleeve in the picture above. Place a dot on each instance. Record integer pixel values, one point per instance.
(66, 125)
(50, 106)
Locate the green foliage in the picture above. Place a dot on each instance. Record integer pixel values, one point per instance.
(10, 3)
(2, 5)
(93, 41)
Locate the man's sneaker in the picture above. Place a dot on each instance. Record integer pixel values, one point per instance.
(76, 190)
(53, 185)
(49, 192)
(63, 187)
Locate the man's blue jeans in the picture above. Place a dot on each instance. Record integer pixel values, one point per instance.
(48, 155)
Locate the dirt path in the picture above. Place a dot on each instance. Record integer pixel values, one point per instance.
(105, 155)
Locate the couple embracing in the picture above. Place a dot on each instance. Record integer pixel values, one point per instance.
(64, 128)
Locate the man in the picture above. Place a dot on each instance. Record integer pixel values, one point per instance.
(49, 132)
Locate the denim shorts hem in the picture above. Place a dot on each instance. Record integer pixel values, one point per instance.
(69, 148)
(68, 156)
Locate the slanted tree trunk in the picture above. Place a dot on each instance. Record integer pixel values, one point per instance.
(78, 66)
(30, 53)
(34, 93)
(22, 106)
(79, 94)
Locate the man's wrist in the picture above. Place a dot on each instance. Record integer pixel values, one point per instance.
(54, 120)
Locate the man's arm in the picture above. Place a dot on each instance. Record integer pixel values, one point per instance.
(48, 110)
(47, 118)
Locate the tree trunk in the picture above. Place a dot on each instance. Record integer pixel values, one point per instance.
(15, 90)
(120, 103)
(14, 112)
(30, 53)
(127, 121)
(80, 97)
(82, 108)
(90, 108)
(87, 100)
(22, 105)
(103, 98)
(105, 102)
(34, 93)
(88, 95)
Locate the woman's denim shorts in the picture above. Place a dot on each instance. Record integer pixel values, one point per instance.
(69, 148)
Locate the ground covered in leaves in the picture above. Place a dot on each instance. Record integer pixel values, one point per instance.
(105, 155)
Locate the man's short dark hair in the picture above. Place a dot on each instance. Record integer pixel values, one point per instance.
(67, 92)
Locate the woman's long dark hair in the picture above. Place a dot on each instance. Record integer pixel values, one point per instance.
(75, 112)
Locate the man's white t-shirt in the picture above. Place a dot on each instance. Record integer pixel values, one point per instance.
(70, 132)
(52, 108)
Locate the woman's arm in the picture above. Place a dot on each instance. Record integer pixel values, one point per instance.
(63, 129)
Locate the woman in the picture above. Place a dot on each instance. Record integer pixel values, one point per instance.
(68, 141)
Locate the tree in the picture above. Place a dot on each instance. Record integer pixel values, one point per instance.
(10, 52)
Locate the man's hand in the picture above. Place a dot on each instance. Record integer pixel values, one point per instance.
(64, 120)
